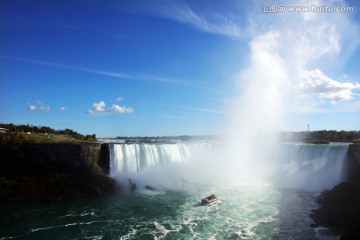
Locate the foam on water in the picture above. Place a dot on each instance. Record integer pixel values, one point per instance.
(246, 212)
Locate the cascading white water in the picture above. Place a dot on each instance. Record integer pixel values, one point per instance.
(155, 164)
(128, 159)
(291, 165)
(310, 167)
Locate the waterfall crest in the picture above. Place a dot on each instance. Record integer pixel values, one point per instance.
(309, 166)
(291, 165)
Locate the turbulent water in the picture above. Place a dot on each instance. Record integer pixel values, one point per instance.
(246, 210)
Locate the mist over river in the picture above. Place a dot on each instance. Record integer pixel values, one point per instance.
(274, 207)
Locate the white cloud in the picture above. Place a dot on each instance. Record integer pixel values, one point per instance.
(317, 82)
(44, 108)
(32, 108)
(226, 27)
(100, 107)
(119, 99)
(38, 106)
(120, 109)
(62, 108)
(97, 107)
(217, 23)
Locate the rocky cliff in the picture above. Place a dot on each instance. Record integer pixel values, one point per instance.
(53, 172)
(354, 164)
(339, 208)
(355, 152)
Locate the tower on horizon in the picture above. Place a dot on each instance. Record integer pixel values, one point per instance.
(308, 127)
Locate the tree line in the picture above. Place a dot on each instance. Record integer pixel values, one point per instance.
(322, 135)
(304, 136)
(12, 128)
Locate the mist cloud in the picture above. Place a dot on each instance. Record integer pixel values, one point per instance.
(276, 80)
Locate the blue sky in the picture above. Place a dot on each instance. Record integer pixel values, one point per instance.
(153, 68)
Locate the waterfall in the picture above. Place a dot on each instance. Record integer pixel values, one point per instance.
(155, 163)
(309, 166)
(290, 165)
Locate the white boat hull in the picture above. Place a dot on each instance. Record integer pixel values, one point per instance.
(208, 201)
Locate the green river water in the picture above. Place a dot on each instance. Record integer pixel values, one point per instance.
(243, 212)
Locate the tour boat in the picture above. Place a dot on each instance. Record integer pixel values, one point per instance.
(209, 200)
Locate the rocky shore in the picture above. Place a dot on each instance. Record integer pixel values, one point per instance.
(339, 208)
(53, 171)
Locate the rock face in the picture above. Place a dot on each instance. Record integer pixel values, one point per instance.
(354, 165)
(104, 159)
(339, 208)
(355, 151)
(52, 172)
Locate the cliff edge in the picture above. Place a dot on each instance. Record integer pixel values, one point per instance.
(53, 171)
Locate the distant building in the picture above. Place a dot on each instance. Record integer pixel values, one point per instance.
(3, 130)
